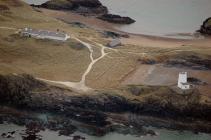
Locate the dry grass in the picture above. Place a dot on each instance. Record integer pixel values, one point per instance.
(41, 58)
(63, 61)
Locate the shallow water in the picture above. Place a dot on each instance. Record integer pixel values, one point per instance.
(163, 134)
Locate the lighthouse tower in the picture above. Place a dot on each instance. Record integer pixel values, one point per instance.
(182, 81)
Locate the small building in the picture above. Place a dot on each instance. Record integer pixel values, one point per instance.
(182, 81)
(44, 34)
(114, 43)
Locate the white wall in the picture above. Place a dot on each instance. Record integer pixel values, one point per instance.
(183, 79)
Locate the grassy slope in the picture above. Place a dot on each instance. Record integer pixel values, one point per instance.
(51, 60)
(42, 58)
(60, 61)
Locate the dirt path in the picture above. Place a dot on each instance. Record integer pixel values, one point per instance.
(81, 85)
(8, 28)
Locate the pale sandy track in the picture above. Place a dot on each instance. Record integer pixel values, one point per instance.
(81, 85)
(8, 28)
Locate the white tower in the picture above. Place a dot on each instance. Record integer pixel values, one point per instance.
(182, 81)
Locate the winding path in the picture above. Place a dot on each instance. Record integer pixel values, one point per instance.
(81, 85)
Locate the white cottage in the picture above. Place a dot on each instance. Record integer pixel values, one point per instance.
(182, 81)
(44, 34)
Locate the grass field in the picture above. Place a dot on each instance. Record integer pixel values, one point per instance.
(67, 61)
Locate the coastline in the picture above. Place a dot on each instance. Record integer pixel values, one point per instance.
(101, 112)
(134, 39)
(108, 25)
(109, 106)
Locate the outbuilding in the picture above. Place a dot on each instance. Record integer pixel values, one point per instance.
(44, 34)
(114, 43)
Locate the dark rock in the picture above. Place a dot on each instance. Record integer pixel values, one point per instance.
(206, 27)
(77, 137)
(8, 135)
(80, 6)
(78, 24)
(16, 89)
(147, 61)
(86, 11)
(86, 8)
(93, 110)
(66, 132)
(195, 81)
(151, 132)
(114, 34)
(1, 121)
(4, 8)
(3, 134)
(116, 19)
(190, 62)
(12, 132)
(56, 5)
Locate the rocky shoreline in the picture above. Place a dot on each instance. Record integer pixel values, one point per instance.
(206, 27)
(116, 19)
(100, 113)
(86, 8)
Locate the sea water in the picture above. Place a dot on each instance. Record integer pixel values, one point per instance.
(161, 17)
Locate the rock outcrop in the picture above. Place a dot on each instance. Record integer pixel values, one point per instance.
(27, 93)
(191, 61)
(16, 90)
(116, 19)
(4, 8)
(206, 27)
(86, 8)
